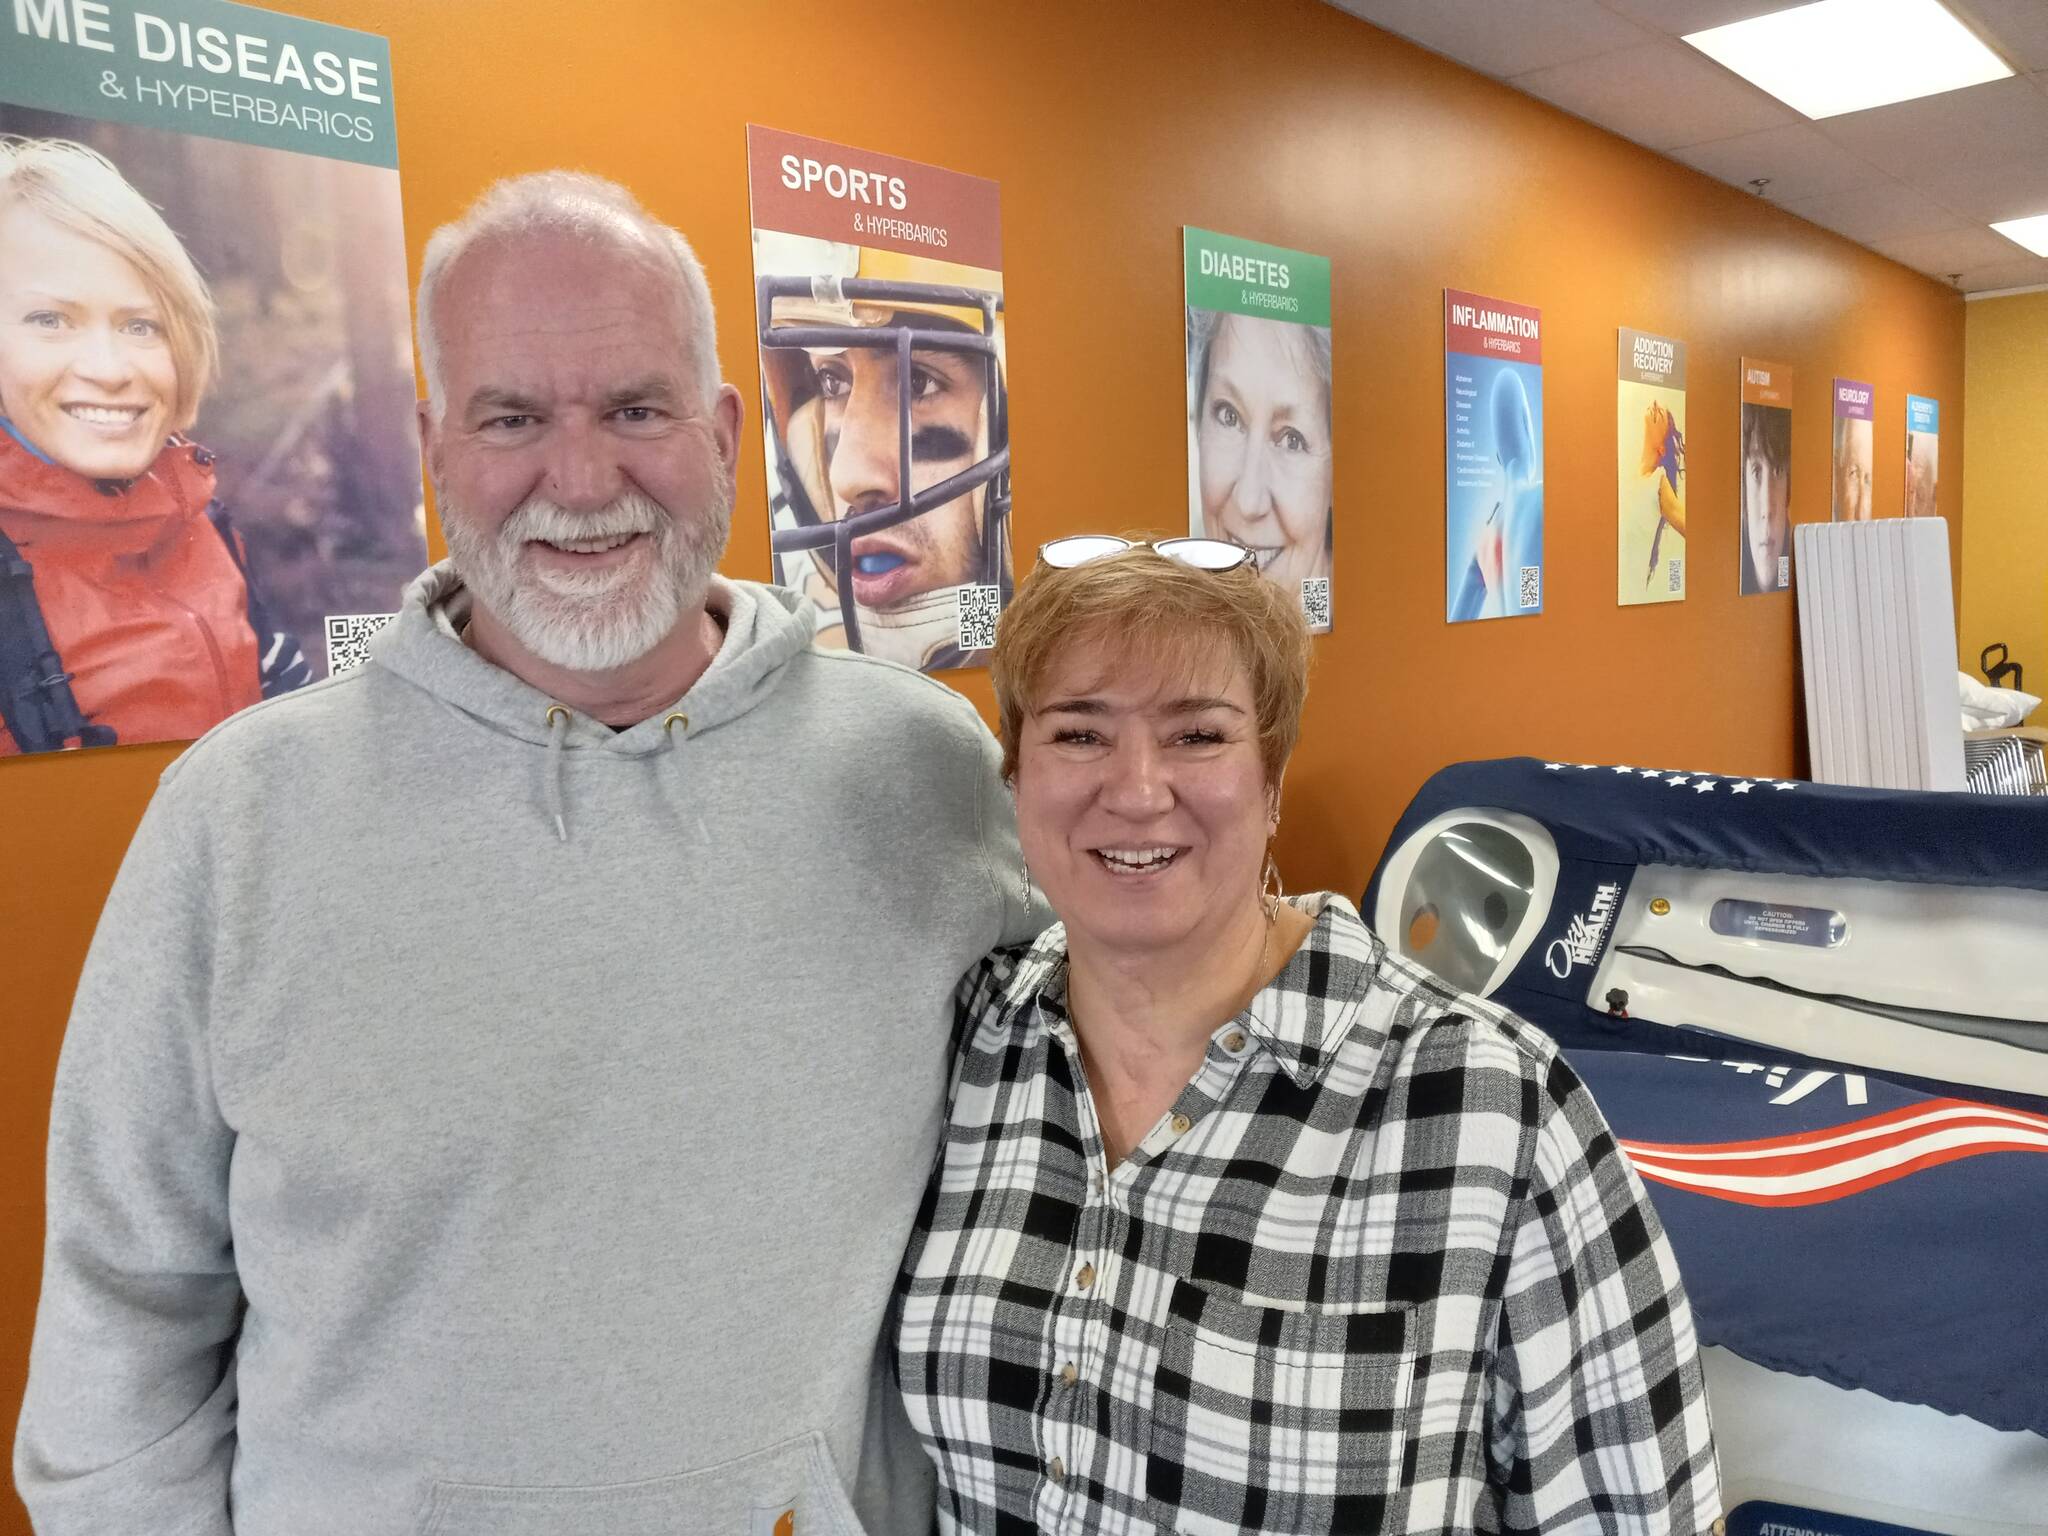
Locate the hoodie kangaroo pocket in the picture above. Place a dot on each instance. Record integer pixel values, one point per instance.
(790, 1489)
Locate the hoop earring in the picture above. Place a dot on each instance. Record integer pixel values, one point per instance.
(1270, 891)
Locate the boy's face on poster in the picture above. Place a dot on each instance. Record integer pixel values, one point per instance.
(1766, 499)
(86, 371)
(1263, 435)
(947, 392)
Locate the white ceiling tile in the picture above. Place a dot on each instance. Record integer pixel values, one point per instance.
(1985, 194)
(1662, 95)
(1891, 210)
(1799, 162)
(1985, 124)
(1477, 34)
(2018, 29)
(1954, 250)
(2027, 272)
(1679, 17)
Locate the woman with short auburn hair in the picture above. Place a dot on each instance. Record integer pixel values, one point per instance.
(1241, 1222)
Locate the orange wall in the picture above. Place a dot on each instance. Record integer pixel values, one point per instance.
(1108, 127)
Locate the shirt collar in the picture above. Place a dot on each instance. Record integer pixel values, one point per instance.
(1300, 1018)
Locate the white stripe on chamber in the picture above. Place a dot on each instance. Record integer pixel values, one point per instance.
(1829, 1176)
(1783, 1147)
(276, 645)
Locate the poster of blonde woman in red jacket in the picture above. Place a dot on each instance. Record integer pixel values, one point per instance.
(209, 485)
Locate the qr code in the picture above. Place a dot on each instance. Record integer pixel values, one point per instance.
(1532, 586)
(1675, 574)
(348, 639)
(979, 607)
(1315, 602)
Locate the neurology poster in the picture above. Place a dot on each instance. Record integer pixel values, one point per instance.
(878, 310)
(1764, 552)
(1855, 451)
(1923, 455)
(208, 467)
(1649, 403)
(1259, 442)
(1493, 458)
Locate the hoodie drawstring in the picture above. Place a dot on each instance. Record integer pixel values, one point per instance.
(558, 732)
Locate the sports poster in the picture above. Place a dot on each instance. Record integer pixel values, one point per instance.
(1493, 458)
(1764, 552)
(1649, 402)
(207, 456)
(1260, 448)
(1923, 455)
(878, 310)
(1855, 451)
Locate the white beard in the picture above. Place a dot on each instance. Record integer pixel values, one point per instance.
(592, 621)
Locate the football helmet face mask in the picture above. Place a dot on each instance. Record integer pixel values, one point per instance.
(796, 315)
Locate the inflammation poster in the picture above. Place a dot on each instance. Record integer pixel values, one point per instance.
(1260, 454)
(1923, 455)
(1493, 458)
(878, 309)
(1855, 451)
(208, 467)
(1764, 552)
(1649, 402)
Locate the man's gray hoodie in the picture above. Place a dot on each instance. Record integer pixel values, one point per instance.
(475, 1120)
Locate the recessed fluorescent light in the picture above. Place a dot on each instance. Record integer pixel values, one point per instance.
(1840, 56)
(2032, 233)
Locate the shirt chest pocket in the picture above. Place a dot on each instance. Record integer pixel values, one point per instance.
(1275, 1421)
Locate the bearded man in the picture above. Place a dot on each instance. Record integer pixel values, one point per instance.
(505, 1074)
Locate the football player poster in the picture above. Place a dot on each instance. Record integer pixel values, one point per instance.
(1493, 458)
(209, 478)
(1855, 451)
(878, 307)
(1923, 454)
(1764, 552)
(1259, 424)
(1650, 468)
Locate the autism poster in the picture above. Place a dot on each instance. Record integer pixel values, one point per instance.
(1650, 468)
(1493, 458)
(1855, 452)
(1764, 552)
(1923, 455)
(1260, 458)
(206, 368)
(878, 310)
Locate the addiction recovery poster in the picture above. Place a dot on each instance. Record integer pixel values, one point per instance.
(1855, 451)
(1493, 458)
(1260, 460)
(1764, 552)
(1923, 455)
(879, 315)
(207, 456)
(1650, 470)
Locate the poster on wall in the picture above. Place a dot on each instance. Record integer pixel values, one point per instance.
(1649, 404)
(1855, 450)
(1260, 454)
(1923, 455)
(1493, 458)
(1764, 552)
(208, 466)
(878, 311)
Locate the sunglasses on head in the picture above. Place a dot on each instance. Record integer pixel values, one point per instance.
(1203, 554)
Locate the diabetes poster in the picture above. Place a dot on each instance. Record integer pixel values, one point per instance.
(1650, 468)
(1259, 441)
(1855, 452)
(878, 310)
(1923, 455)
(209, 479)
(1764, 552)
(1493, 458)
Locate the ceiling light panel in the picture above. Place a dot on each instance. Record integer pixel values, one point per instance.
(2032, 233)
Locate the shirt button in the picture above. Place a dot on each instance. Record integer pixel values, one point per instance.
(1180, 1124)
(1084, 1277)
(1057, 1470)
(1068, 1374)
(1234, 1041)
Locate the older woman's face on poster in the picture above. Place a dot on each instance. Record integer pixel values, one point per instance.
(1852, 469)
(1141, 795)
(1263, 438)
(86, 371)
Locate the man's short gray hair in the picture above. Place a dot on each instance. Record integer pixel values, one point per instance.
(572, 203)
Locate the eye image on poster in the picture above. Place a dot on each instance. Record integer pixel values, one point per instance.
(1493, 458)
(1923, 454)
(209, 479)
(1260, 451)
(1855, 451)
(1650, 468)
(1764, 552)
(878, 310)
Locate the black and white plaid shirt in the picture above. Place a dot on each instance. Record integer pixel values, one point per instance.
(1381, 1269)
